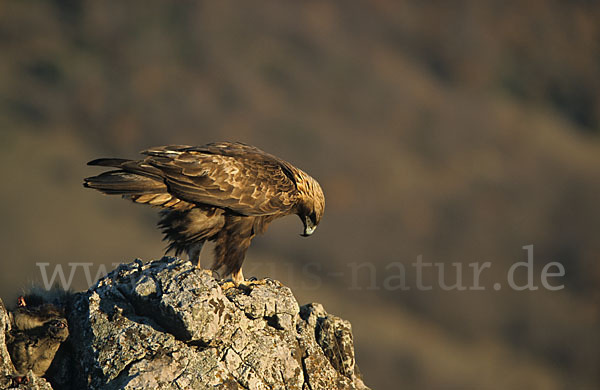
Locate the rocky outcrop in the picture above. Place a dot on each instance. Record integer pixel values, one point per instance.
(168, 325)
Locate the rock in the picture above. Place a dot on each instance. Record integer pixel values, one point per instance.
(169, 325)
(6, 367)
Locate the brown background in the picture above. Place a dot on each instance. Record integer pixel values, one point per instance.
(457, 130)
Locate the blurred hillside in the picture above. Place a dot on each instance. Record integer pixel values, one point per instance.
(460, 131)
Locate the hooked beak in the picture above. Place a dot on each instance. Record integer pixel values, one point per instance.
(309, 228)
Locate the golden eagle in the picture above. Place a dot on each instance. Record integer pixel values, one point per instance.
(223, 192)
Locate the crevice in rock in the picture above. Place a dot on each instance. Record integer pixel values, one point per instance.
(143, 313)
(200, 345)
(273, 321)
(181, 375)
(124, 373)
(306, 379)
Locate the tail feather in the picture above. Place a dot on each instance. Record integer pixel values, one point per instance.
(124, 183)
(131, 166)
(108, 162)
(134, 180)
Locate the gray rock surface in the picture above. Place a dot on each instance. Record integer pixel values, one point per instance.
(168, 325)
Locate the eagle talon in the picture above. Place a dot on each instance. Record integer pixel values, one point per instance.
(256, 282)
(227, 285)
(245, 286)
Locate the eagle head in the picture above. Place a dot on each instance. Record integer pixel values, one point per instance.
(311, 202)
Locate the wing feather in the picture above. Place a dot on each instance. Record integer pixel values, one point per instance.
(235, 176)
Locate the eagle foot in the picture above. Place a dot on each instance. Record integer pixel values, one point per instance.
(245, 286)
(255, 282)
(227, 285)
(209, 272)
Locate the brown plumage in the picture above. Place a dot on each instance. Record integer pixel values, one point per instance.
(223, 192)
